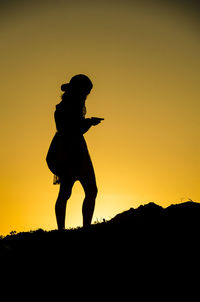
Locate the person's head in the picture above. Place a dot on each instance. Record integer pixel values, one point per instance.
(79, 85)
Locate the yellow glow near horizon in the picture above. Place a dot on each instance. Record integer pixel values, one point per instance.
(144, 61)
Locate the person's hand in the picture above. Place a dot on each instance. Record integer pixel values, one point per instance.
(96, 120)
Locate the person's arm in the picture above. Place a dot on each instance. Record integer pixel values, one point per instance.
(85, 125)
(88, 122)
(72, 123)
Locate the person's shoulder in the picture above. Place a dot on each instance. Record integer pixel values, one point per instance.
(61, 106)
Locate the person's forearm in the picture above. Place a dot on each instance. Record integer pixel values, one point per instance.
(85, 125)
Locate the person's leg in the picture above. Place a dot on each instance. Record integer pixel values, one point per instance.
(60, 207)
(90, 188)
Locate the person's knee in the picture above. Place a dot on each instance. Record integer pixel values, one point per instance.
(68, 194)
(95, 191)
(92, 192)
(65, 193)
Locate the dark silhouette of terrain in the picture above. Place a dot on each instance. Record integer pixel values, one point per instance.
(149, 229)
(144, 252)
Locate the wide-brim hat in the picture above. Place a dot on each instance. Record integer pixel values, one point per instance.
(79, 81)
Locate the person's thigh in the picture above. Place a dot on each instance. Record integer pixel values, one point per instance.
(87, 178)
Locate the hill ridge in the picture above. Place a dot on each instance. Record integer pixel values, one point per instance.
(149, 225)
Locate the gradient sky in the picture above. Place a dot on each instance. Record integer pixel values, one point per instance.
(144, 60)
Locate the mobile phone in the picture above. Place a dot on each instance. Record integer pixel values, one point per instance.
(98, 118)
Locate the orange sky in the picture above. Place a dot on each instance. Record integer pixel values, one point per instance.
(144, 60)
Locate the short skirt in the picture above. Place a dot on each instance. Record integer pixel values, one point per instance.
(68, 157)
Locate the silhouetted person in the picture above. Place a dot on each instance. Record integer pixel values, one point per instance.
(68, 157)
